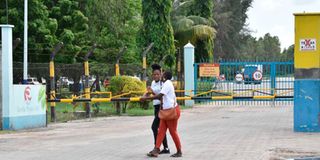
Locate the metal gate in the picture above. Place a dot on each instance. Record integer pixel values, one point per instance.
(245, 83)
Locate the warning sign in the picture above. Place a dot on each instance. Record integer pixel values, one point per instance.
(308, 45)
(209, 70)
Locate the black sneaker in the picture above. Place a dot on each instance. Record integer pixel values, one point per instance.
(165, 151)
(153, 153)
(178, 154)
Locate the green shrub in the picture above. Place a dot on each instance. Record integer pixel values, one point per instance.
(124, 84)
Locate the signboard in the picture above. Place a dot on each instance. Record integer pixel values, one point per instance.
(28, 100)
(209, 70)
(308, 45)
(257, 75)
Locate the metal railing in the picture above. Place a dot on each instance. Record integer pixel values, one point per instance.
(276, 83)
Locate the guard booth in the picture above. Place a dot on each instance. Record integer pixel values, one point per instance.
(307, 72)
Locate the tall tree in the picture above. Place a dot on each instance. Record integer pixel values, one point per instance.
(271, 46)
(266, 47)
(72, 29)
(231, 18)
(287, 54)
(202, 8)
(157, 29)
(114, 24)
(189, 25)
(41, 28)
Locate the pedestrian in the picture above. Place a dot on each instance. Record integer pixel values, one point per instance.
(155, 90)
(169, 103)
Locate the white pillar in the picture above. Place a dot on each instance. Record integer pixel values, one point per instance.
(6, 73)
(25, 43)
(189, 72)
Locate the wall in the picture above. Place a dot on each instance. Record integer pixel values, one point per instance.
(28, 108)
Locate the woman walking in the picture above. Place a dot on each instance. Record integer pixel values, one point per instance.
(155, 89)
(167, 94)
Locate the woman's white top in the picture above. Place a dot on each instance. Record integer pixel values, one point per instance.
(156, 88)
(169, 96)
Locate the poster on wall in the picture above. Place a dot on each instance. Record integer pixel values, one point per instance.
(209, 70)
(28, 100)
(308, 44)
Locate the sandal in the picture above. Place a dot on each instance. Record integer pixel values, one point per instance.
(178, 154)
(154, 153)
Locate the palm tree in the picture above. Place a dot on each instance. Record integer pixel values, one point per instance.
(194, 29)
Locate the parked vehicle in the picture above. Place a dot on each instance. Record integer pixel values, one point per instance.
(252, 74)
(64, 82)
(32, 80)
(43, 81)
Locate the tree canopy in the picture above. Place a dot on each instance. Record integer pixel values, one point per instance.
(157, 29)
(193, 22)
(217, 28)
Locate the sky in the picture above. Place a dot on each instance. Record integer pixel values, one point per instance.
(276, 17)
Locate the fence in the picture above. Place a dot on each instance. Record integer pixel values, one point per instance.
(247, 83)
(68, 75)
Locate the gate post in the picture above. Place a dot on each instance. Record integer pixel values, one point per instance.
(273, 81)
(273, 77)
(307, 73)
(189, 72)
(6, 76)
(86, 84)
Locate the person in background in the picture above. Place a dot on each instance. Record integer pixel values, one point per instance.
(106, 83)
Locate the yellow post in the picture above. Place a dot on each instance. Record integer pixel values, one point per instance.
(86, 68)
(307, 72)
(52, 91)
(86, 73)
(144, 66)
(52, 81)
(144, 63)
(52, 95)
(87, 88)
(51, 69)
(307, 33)
(117, 69)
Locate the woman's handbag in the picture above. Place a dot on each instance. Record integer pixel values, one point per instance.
(168, 114)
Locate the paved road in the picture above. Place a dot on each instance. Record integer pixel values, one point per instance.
(207, 133)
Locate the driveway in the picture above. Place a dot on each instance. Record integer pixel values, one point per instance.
(207, 133)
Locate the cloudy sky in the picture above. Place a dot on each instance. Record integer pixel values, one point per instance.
(276, 17)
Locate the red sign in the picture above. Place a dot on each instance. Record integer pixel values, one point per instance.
(209, 70)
